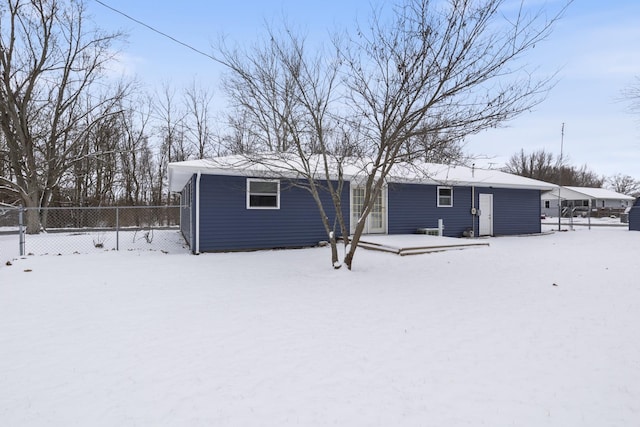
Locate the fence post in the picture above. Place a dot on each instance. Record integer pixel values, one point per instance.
(117, 228)
(440, 227)
(21, 230)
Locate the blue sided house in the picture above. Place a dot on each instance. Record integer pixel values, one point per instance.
(232, 203)
(634, 216)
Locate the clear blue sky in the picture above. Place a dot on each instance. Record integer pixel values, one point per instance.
(595, 48)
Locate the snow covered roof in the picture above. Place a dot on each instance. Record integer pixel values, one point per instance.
(583, 193)
(422, 173)
(430, 173)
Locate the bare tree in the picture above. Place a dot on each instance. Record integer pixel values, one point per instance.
(51, 93)
(632, 94)
(624, 184)
(436, 148)
(392, 93)
(544, 166)
(581, 177)
(8, 196)
(135, 160)
(236, 139)
(284, 96)
(262, 88)
(171, 130)
(437, 68)
(91, 178)
(197, 101)
(540, 165)
(105, 139)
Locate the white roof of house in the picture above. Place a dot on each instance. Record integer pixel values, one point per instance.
(422, 173)
(584, 193)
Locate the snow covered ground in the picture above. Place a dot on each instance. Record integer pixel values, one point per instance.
(61, 242)
(530, 331)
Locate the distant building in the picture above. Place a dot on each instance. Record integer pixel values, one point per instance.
(584, 201)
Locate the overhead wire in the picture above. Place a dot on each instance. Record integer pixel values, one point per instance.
(163, 34)
(155, 30)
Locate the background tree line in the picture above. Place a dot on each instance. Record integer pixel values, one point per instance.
(73, 135)
(545, 166)
(408, 86)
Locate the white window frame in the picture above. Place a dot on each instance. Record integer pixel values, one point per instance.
(382, 211)
(438, 195)
(249, 193)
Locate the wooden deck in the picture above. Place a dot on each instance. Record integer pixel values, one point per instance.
(414, 244)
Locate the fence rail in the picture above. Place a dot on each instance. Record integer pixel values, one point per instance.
(58, 230)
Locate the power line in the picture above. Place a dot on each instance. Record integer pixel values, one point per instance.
(155, 30)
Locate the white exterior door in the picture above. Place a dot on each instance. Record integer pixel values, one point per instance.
(377, 219)
(486, 215)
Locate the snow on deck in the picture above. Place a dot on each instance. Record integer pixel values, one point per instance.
(413, 244)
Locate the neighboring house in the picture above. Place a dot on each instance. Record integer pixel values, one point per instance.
(634, 216)
(231, 203)
(584, 201)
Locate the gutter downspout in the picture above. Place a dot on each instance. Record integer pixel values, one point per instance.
(197, 226)
(474, 212)
(473, 209)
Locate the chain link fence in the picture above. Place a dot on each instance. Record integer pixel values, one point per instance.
(90, 229)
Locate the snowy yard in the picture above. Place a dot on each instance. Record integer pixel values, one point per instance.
(530, 331)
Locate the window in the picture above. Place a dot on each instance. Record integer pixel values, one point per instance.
(263, 194)
(445, 197)
(547, 204)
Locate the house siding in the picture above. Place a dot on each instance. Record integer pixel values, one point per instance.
(552, 210)
(515, 211)
(634, 216)
(413, 206)
(227, 224)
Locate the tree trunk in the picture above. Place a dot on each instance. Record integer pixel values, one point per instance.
(355, 239)
(32, 216)
(334, 251)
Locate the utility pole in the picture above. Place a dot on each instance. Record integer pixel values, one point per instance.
(560, 178)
